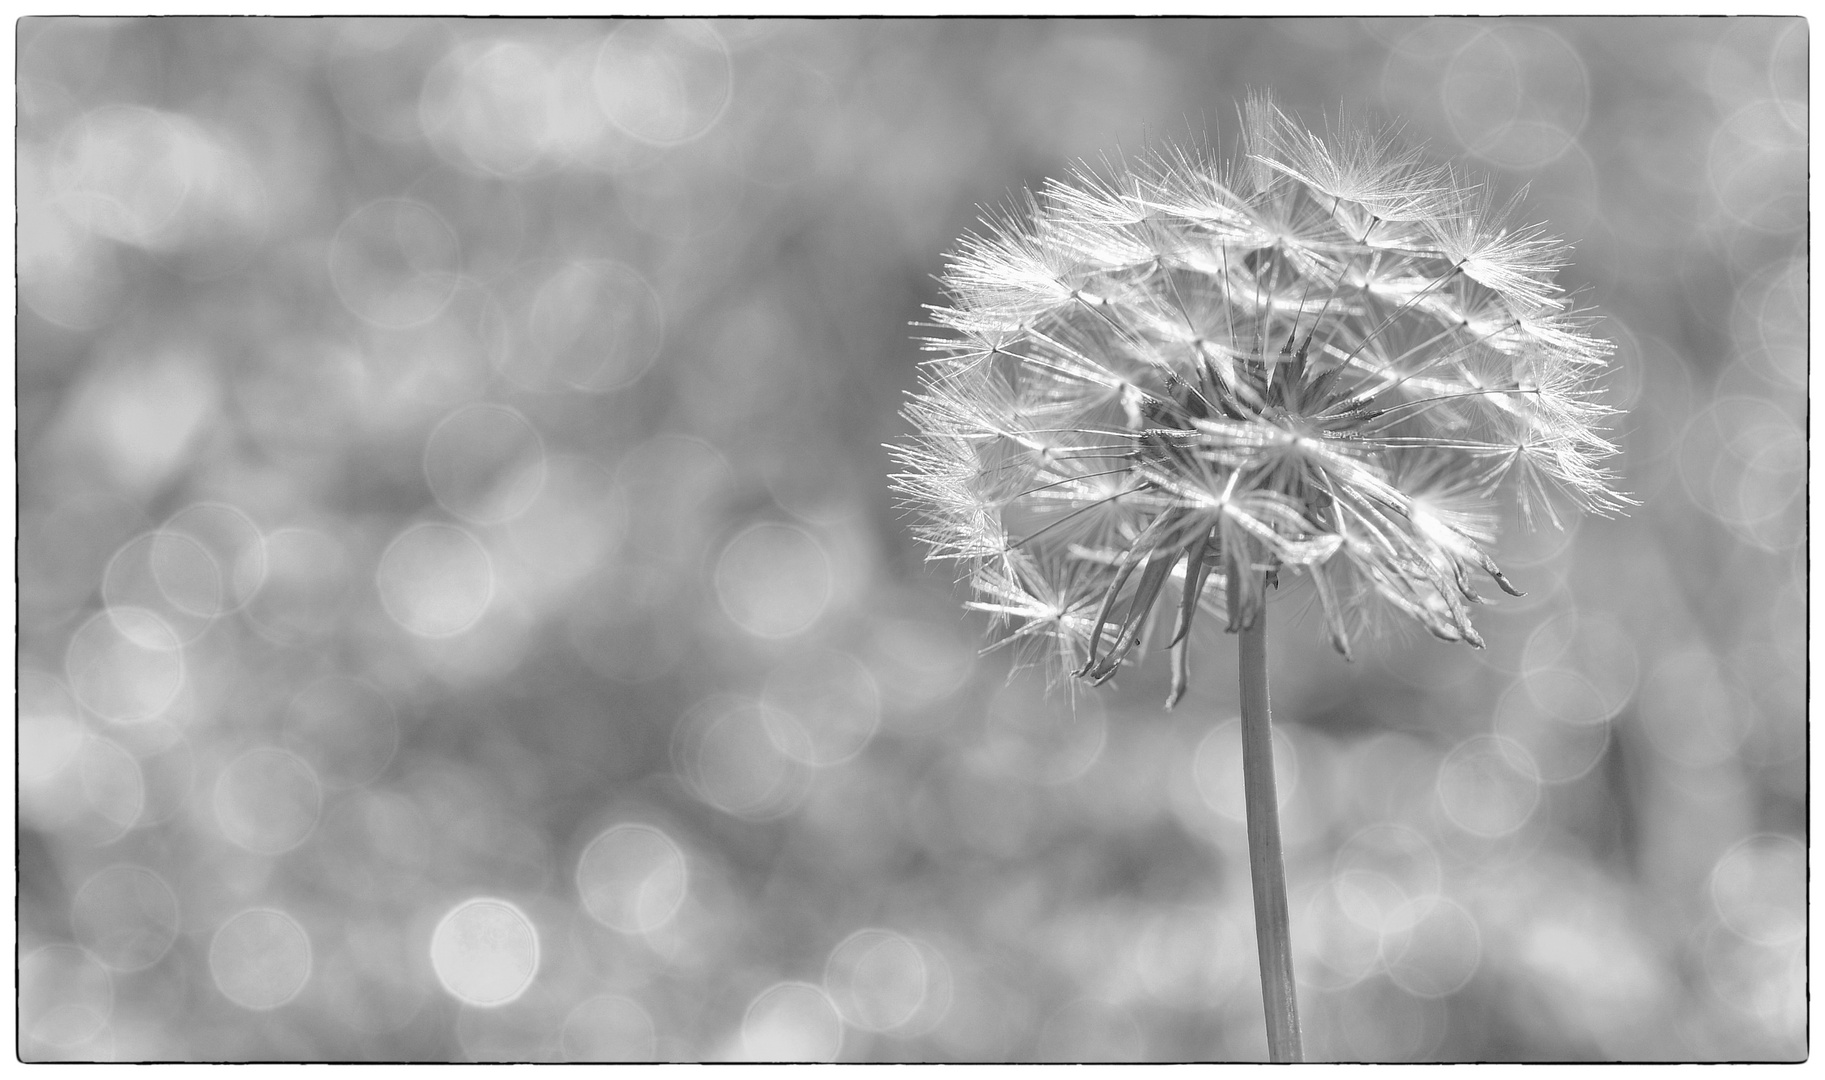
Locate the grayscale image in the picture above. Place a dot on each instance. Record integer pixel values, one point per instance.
(911, 540)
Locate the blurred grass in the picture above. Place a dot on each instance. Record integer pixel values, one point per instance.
(531, 379)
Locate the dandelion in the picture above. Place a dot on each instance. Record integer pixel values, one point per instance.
(1164, 386)
(1178, 381)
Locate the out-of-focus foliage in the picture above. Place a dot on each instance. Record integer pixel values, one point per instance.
(463, 615)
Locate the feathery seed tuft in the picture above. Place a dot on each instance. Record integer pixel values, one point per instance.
(1331, 359)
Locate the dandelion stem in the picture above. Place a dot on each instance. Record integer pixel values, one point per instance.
(1273, 932)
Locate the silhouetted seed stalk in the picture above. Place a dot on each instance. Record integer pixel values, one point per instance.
(1163, 384)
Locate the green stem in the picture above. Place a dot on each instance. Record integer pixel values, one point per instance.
(1273, 933)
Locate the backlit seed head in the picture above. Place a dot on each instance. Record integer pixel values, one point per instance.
(1331, 358)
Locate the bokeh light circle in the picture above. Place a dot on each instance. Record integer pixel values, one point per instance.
(1516, 96)
(1787, 68)
(877, 979)
(485, 952)
(126, 916)
(663, 82)
(125, 172)
(1442, 947)
(1567, 696)
(125, 665)
(1581, 666)
(435, 580)
(188, 574)
(260, 959)
(170, 574)
(167, 767)
(1759, 889)
(66, 996)
(608, 1027)
(485, 463)
(774, 580)
(395, 263)
(1488, 786)
(1754, 156)
(580, 136)
(632, 878)
(1349, 924)
(69, 780)
(492, 106)
(940, 992)
(728, 750)
(1551, 717)
(596, 325)
(267, 801)
(1404, 854)
(823, 706)
(1766, 501)
(1743, 460)
(792, 1022)
(112, 790)
(67, 276)
(1769, 321)
(1764, 984)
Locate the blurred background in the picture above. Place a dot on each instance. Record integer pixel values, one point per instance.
(463, 614)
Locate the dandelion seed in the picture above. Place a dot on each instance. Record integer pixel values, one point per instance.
(1331, 359)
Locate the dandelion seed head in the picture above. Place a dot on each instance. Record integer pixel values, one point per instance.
(1328, 357)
